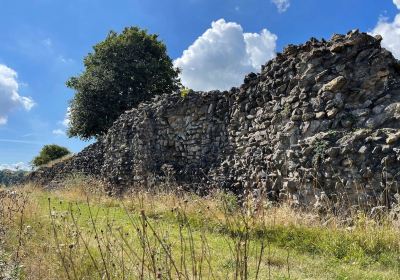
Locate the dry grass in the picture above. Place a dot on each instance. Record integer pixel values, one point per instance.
(54, 162)
(78, 233)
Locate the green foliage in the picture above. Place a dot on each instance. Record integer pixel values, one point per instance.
(124, 70)
(229, 201)
(320, 147)
(50, 153)
(8, 177)
(185, 91)
(76, 236)
(286, 110)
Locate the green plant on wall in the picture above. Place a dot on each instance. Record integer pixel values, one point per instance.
(185, 91)
(50, 153)
(286, 111)
(320, 147)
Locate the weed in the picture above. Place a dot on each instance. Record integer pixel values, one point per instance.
(75, 234)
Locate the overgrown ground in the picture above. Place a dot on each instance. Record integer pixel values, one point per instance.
(76, 233)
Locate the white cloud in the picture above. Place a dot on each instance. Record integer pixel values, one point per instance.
(67, 117)
(65, 123)
(20, 141)
(223, 55)
(58, 132)
(260, 47)
(47, 42)
(390, 32)
(283, 5)
(3, 120)
(16, 166)
(65, 60)
(9, 96)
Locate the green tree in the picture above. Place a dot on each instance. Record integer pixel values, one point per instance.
(124, 70)
(9, 177)
(50, 153)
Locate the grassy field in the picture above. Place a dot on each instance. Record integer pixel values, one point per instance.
(76, 233)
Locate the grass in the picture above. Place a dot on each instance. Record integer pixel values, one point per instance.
(69, 234)
(56, 161)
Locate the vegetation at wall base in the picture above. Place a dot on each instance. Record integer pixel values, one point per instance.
(79, 233)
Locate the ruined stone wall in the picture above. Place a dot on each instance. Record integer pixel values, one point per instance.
(320, 120)
(88, 162)
(190, 134)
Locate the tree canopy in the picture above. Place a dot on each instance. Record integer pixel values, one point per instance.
(123, 70)
(50, 153)
(10, 177)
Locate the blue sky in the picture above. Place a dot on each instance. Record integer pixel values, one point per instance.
(43, 42)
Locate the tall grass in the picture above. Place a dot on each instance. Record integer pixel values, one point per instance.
(77, 233)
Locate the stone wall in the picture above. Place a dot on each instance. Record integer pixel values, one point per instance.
(190, 134)
(88, 162)
(320, 120)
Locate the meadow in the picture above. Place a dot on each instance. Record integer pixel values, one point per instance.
(78, 232)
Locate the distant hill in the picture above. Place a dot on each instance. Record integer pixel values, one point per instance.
(9, 177)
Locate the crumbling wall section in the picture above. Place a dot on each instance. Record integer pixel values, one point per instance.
(321, 120)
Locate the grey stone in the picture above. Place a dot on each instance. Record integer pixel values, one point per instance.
(392, 138)
(316, 121)
(335, 85)
(332, 113)
(362, 150)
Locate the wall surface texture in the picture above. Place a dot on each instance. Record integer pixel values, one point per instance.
(321, 120)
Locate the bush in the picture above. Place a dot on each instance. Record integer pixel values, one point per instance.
(124, 70)
(185, 92)
(50, 153)
(10, 177)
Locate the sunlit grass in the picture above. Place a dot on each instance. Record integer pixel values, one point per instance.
(76, 233)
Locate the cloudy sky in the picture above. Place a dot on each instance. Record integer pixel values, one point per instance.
(214, 42)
